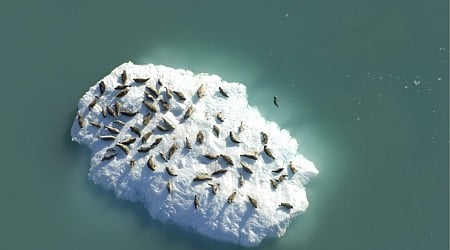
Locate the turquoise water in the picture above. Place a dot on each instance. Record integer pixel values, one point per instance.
(363, 86)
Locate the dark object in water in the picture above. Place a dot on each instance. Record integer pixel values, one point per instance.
(275, 101)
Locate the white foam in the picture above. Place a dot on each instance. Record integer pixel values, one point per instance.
(238, 222)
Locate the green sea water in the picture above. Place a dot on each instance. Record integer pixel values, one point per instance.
(362, 85)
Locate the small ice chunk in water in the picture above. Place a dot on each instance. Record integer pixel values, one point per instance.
(156, 138)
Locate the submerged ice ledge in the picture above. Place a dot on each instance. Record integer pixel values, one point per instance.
(219, 169)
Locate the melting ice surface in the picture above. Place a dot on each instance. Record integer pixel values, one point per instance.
(249, 184)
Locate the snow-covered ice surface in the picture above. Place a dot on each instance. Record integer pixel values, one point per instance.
(192, 204)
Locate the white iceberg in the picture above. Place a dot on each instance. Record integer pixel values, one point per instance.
(241, 197)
